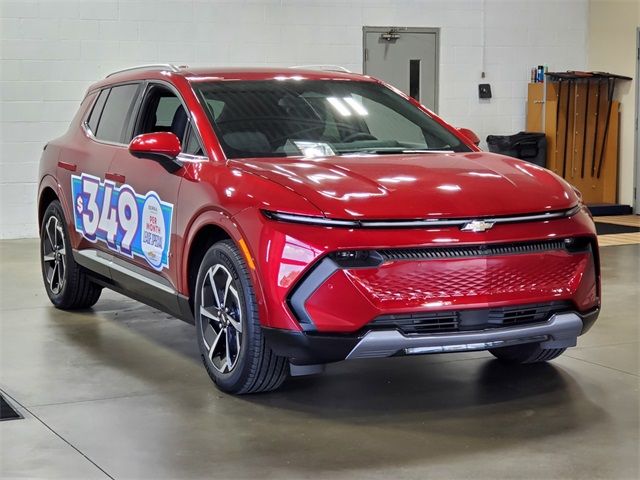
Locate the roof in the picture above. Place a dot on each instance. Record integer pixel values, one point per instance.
(202, 74)
(194, 74)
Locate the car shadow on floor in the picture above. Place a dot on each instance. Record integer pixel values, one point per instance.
(420, 409)
(423, 384)
(473, 377)
(404, 409)
(350, 388)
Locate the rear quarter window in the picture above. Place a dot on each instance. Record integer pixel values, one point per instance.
(115, 113)
(94, 117)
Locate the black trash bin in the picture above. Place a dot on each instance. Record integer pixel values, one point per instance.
(528, 146)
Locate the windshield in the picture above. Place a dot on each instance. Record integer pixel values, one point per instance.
(278, 118)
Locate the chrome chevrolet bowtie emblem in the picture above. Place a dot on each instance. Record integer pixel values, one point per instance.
(477, 226)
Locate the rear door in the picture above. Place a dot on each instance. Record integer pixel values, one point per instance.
(82, 169)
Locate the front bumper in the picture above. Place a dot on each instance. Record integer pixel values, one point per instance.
(302, 284)
(423, 281)
(561, 330)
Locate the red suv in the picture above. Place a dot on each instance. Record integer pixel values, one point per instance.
(300, 217)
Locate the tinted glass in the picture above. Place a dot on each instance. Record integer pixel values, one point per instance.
(115, 112)
(92, 122)
(162, 112)
(311, 118)
(167, 107)
(191, 145)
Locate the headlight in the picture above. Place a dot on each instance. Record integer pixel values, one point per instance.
(308, 219)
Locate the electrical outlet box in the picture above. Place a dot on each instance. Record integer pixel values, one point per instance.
(484, 90)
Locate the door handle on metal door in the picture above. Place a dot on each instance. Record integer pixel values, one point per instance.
(115, 177)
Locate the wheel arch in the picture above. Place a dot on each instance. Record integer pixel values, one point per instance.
(207, 229)
(204, 238)
(48, 192)
(46, 197)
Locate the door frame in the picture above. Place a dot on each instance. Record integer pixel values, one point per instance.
(433, 30)
(636, 184)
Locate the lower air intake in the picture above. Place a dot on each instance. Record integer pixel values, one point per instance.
(424, 323)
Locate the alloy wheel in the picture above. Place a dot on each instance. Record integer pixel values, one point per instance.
(221, 318)
(54, 255)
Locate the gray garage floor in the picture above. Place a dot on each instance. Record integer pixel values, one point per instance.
(119, 392)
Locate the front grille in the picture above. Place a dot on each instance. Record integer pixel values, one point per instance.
(471, 250)
(418, 323)
(423, 323)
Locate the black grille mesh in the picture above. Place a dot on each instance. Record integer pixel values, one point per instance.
(470, 251)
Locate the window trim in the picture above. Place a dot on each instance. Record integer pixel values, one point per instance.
(148, 84)
(92, 106)
(85, 125)
(189, 156)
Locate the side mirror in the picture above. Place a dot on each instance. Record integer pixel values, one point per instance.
(162, 147)
(470, 135)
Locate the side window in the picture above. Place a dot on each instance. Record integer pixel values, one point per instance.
(115, 113)
(167, 107)
(94, 118)
(191, 144)
(162, 111)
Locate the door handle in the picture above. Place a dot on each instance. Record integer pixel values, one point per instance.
(115, 177)
(67, 166)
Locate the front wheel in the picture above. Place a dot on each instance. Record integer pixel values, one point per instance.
(230, 338)
(527, 353)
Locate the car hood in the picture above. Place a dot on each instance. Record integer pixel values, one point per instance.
(432, 185)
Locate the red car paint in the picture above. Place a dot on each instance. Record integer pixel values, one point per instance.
(163, 143)
(230, 195)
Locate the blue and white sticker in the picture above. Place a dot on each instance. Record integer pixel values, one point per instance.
(129, 223)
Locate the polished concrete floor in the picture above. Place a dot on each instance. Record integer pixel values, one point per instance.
(119, 392)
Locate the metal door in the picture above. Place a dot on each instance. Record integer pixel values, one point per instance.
(154, 189)
(636, 189)
(407, 58)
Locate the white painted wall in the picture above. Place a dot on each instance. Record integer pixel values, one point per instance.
(612, 48)
(52, 50)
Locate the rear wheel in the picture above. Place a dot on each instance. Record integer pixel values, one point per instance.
(66, 283)
(230, 339)
(527, 353)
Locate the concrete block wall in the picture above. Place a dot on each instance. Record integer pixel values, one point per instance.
(51, 50)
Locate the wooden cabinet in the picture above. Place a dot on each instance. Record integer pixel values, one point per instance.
(535, 107)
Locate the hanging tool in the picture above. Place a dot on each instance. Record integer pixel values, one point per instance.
(584, 129)
(595, 133)
(576, 95)
(611, 83)
(566, 129)
(558, 100)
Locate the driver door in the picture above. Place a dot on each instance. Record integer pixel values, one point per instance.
(151, 251)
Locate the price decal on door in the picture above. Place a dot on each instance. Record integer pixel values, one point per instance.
(129, 223)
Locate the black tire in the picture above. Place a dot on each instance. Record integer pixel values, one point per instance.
(68, 287)
(254, 367)
(527, 353)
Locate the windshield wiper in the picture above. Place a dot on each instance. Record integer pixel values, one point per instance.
(394, 151)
